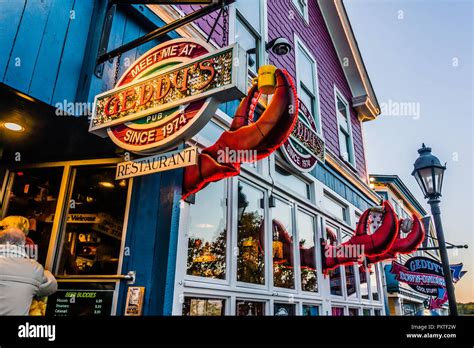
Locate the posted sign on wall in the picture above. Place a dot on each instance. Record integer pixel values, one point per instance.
(169, 94)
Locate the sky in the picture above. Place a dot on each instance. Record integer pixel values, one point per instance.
(418, 54)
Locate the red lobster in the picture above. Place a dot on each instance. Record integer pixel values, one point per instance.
(264, 136)
(373, 244)
(405, 245)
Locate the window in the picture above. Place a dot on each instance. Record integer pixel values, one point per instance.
(306, 233)
(335, 278)
(346, 146)
(302, 7)
(249, 308)
(250, 235)
(200, 306)
(282, 245)
(283, 309)
(364, 287)
(92, 234)
(353, 312)
(337, 311)
(335, 208)
(249, 32)
(310, 311)
(306, 74)
(34, 195)
(208, 233)
(374, 285)
(366, 312)
(291, 181)
(377, 312)
(351, 289)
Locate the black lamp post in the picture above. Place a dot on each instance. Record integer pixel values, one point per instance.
(428, 172)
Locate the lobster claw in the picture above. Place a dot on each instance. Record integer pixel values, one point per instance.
(413, 240)
(383, 238)
(262, 137)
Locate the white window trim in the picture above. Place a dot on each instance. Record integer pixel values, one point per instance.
(299, 43)
(303, 14)
(338, 94)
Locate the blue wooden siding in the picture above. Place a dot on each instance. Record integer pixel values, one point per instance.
(329, 177)
(48, 48)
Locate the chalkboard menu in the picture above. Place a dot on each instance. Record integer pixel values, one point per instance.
(81, 299)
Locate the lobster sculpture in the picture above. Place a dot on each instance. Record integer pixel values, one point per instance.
(372, 244)
(263, 136)
(416, 235)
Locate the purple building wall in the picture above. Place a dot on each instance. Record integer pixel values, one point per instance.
(284, 20)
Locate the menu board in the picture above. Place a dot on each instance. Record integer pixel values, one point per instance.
(81, 299)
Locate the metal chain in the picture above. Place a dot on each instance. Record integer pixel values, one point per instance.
(225, 29)
(117, 67)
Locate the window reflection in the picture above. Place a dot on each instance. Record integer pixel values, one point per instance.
(34, 195)
(310, 311)
(93, 232)
(199, 306)
(250, 235)
(283, 309)
(250, 308)
(353, 312)
(282, 242)
(364, 289)
(350, 273)
(306, 228)
(373, 285)
(337, 311)
(207, 233)
(335, 274)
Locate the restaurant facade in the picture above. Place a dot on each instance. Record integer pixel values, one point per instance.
(249, 244)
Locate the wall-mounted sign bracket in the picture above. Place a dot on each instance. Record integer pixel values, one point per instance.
(103, 55)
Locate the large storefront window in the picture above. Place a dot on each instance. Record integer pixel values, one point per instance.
(250, 235)
(310, 311)
(34, 195)
(93, 231)
(306, 229)
(208, 233)
(282, 242)
(335, 279)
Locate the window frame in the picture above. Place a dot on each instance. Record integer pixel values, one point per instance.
(351, 157)
(304, 12)
(315, 109)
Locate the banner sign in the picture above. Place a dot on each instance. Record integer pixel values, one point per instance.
(169, 94)
(426, 276)
(157, 163)
(304, 147)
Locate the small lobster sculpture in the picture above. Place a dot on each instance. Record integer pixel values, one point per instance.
(376, 243)
(263, 136)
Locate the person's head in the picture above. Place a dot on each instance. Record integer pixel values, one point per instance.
(12, 236)
(18, 222)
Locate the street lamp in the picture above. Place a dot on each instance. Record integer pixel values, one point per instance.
(428, 172)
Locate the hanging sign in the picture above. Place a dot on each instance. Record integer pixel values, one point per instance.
(169, 94)
(426, 276)
(304, 148)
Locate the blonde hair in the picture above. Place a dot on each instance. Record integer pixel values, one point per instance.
(19, 222)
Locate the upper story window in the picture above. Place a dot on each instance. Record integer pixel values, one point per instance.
(302, 7)
(249, 31)
(307, 83)
(346, 145)
(292, 182)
